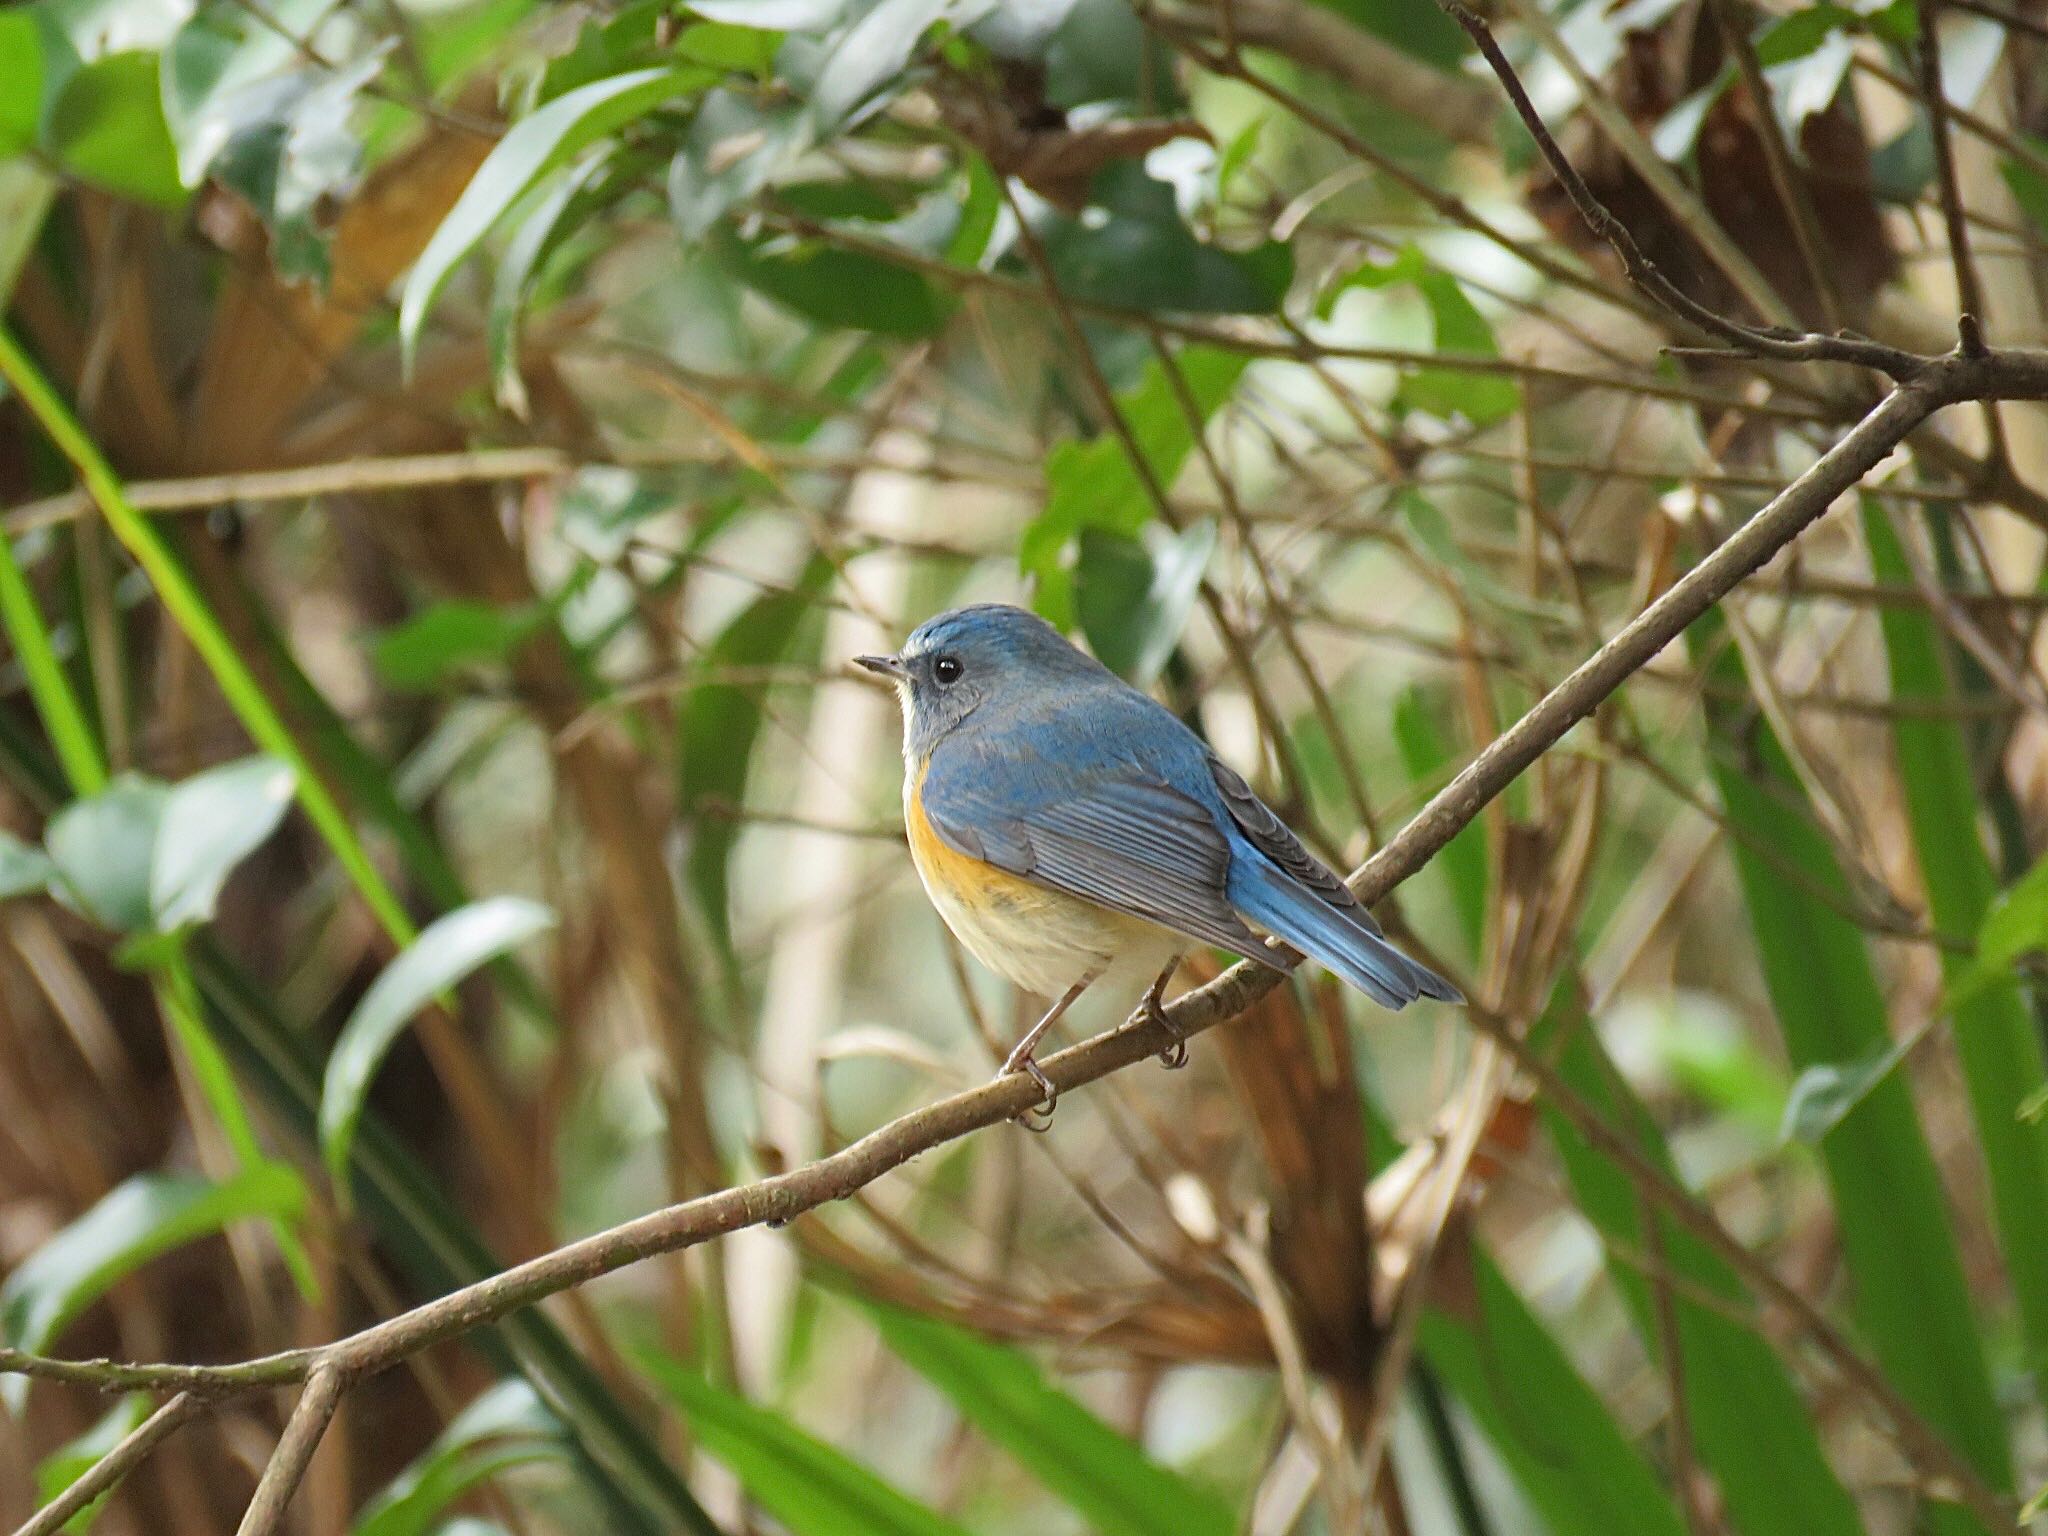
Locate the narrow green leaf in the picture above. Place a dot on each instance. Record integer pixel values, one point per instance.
(534, 146)
(1555, 1434)
(137, 1220)
(1995, 1035)
(873, 50)
(1752, 1430)
(804, 1483)
(56, 704)
(1908, 1292)
(209, 824)
(1111, 1483)
(852, 289)
(447, 950)
(182, 601)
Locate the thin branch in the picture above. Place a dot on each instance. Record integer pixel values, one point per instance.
(302, 1433)
(103, 1474)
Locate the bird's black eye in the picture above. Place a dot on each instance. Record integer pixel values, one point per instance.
(947, 669)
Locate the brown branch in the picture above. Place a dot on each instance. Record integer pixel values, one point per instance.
(302, 1431)
(784, 1196)
(112, 1467)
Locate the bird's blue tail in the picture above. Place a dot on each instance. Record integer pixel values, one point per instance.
(1345, 940)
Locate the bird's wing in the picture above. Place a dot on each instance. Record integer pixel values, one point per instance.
(1276, 840)
(1105, 830)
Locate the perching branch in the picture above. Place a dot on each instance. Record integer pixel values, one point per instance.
(782, 1197)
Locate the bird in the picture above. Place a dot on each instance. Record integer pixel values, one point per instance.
(1073, 831)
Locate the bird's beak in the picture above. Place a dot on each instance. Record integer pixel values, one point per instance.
(888, 666)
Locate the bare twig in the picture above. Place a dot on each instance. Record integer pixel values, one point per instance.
(115, 1465)
(302, 1431)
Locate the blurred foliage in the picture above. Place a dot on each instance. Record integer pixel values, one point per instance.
(437, 820)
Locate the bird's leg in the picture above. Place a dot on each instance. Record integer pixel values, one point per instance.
(1152, 1006)
(1019, 1059)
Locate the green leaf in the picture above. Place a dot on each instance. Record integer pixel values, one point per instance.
(540, 235)
(805, 1484)
(1459, 327)
(2029, 186)
(735, 146)
(1143, 256)
(137, 1220)
(102, 847)
(1821, 1095)
(717, 727)
(208, 825)
(1108, 1481)
(1463, 860)
(1798, 34)
(507, 1426)
(1134, 600)
(534, 146)
(1571, 1458)
(1752, 1430)
(447, 950)
(1092, 484)
(839, 287)
(1908, 1292)
(22, 869)
(874, 48)
(106, 126)
(443, 640)
(2017, 922)
(72, 1460)
(1996, 1037)
(21, 80)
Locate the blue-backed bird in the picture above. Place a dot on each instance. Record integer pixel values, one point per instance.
(1072, 830)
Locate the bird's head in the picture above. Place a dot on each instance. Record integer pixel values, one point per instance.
(987, 657)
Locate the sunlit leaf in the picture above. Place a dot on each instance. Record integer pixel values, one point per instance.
(208, 825)
(804, 1483)
(447, 950)
(874, 48)
(1112, 1484)
(533, 147)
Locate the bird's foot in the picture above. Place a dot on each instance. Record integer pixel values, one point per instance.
(1039, 1116)
(1152, 1009)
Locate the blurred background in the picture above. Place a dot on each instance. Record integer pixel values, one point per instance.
(440, 820)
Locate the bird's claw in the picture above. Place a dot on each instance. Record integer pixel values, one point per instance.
(1152, 1010)
(1038, 1117)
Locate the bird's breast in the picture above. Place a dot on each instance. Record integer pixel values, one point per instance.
(1041, 939)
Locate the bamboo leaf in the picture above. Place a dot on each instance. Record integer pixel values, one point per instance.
(1909, 1295)
(1995, 1035)
(804, 1483)
(1752, 1430)
(209, 824)
(1111, 1483)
